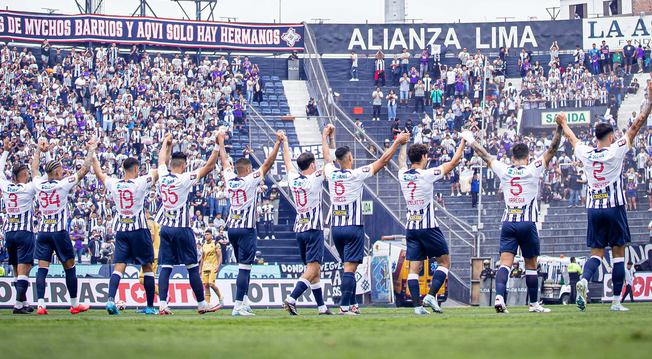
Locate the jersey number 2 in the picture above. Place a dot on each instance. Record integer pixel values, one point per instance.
(597, 172)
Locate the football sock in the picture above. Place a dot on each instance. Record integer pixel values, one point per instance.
(590, 267)
(40, 284)
(317, 293)
(71, 284)
(301, 287)
(415, 291)
(113, 284)
(348, 282)
(195, 282)
(438, 280)
(21, 288)
(618, 275)
(501, 280)
(150, 288)
(354, 299)
(163, 283)
(532, 282)
(207, 296)
(242, 282)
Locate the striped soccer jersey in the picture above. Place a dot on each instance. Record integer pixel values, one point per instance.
(52, 199)
(307, 192)
(129, 197)
(417, 187)
(242, 193)
(604, 170)
(18, 200)
(173, 190)
(520, 186)
(345, 188)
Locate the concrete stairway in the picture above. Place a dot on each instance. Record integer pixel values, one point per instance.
(297, 96)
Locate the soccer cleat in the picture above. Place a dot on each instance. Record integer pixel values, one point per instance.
(290, 307)
(420, 311)
(538, 308)
(209, 309)
(431, 301)
(346, 312)
(273, 237)
(79, 309)
(580, 287)
(42, 311)
(112, 309)
(247, 309)
(616, 306)
(355, 309)
(165, 311)
(148, 311)
(222, 301)
(29, 308)
(21, 311)
(500, 305)
(326, 312)
(241, 312)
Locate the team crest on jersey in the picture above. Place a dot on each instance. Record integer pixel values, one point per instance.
(437, 171)
(366, 169)
(622, 142)
(71, 179)
(318, 173)
(537, 164)
(193, 176)
(256, 174)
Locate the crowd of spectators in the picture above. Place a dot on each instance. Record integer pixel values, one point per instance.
(128, 99)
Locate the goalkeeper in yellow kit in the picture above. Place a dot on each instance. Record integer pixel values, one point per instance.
(211, 259)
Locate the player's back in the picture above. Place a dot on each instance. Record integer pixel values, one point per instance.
(417, 187)
(345, 188)
(604, 173)
(129, 198)
(173, 190)
(307, 192)
(19, 205)
(242, 195)
(520, 185)
(52, 199)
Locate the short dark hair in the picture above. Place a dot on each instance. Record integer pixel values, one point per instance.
(602, 130)
(178, 159)
(18, 169)
(572, 259)
(130, 163)
(305, 160)
(51, 166)
(520, 151)
(416, 152)
(241, 164)
(341, 152)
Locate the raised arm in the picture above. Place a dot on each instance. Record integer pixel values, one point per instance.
(448, 166)
(329, 133)
(166, 151)
(401, 139)
(7, 147)
(470, 140)
(42, 147)
(98, 171)
(223, 157)
(562, 120)
(402, 158)
(641, 120)
(88, 160)
(210, 163)
(554, 146)
(287, 157)
(267, 165)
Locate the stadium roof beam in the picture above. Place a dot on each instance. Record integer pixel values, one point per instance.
(200, 6)
(88, 6)
(141, 10)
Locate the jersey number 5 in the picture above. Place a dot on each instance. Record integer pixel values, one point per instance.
(516, 185)
(166, 194)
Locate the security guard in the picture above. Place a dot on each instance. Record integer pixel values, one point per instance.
(516, 272)
(487, 272)
(574, 273)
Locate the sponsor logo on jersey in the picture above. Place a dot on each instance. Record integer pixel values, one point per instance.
(601, 196)
(127, 220)
(416, 217)
(515, 211)
(14, 220)
(366, 169)
(304, 220)
(340, 213)
(236, 216)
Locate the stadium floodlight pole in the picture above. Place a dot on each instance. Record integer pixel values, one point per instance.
(482, 136)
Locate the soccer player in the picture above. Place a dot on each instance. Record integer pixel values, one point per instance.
(133, 240)
(345, 187)
(606, 201)
(423, 236)
(209, 265)
(52, 198)
(154, 229)
(178, 245)
(241, 186)
(520, 185)
(307, 187)
(18, 197)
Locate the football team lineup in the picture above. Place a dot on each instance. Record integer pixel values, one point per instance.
(171, 225)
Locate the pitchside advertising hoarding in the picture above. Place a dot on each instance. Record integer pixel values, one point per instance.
(642, 287)
(19, 26)
(615, 31)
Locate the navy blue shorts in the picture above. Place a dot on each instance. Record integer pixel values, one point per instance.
(177, 246)
(520, 234)
(425, 243)
(311, 246)
(349, 241)
(608, 227)
(53, 242)
(244, 244)
(134, 247)
(20, 247)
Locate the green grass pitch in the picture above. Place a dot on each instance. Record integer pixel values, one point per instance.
(377, 333)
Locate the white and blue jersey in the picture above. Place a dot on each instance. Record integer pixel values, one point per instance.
(242, 193)
(52, 199)
(307, 192)
(345, 188)
(173, 190)
(18, 200)
(520, 186)
(417, 187)
(129, 198)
